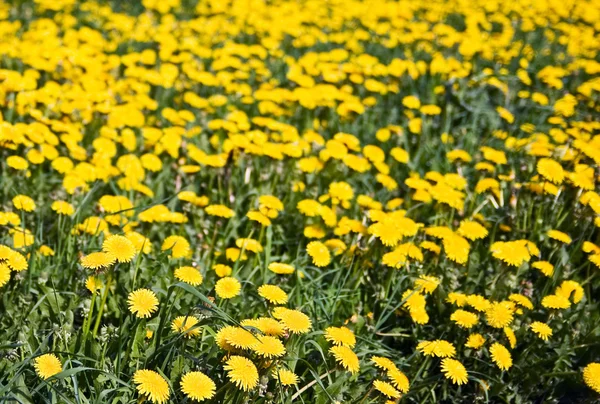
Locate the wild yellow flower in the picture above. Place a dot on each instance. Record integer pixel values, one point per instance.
(47, 365)
(455, 371)
(189, 275)
(319, 253)
(151, 385)
(228, 287)
(591, 376)
(272, 293)
(142, 303)
(197, 386)
(501, 356)
(242, 372)
(386, 389)
(542, 330)
(119, 247)
(340, 336)
(345, 357)
(186, 325)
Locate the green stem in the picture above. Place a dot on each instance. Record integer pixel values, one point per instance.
(102, 303)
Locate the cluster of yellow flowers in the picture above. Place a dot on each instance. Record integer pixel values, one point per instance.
(258, 194)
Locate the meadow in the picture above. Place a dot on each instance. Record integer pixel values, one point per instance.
(312, 201)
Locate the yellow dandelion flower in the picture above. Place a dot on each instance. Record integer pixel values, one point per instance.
(268, 346)
(151, 385)
(197, 386)
(142, 303)
(521, 300)
(93, 284)
(472, 230)
(222, 270)
(545, 267)
(119, 247)
(556, 302)
(340, 336)
(189, 275)
(266, 325)
(500, 314)
(281, 268)
(219, 211)
(24, 203)
(47, 365)
(63, 208)
(591, 376)
(249, 244)
(464, 319)
(97, 260)
(319, 253)
(386, 389)
(4, 274)
(273, 294)
(427, 284)
(440, 348)
(399, 380)
(179, 246)
(455, 371)
(293, 320)
(510, 335)
(475, 341)
(228, 287)
(542, 330)
(559, 236)
(501, 356)
(551, 170)
(346, 358)
(383, 363)
(242, 372)
(570, 289)
(186, 325)
(285, 377)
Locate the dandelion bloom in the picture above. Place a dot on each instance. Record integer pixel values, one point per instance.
(464, 319)
(399, 380)
(427, 284)
(249, 244)
(151, 385)
(47, 365)
(97, 260)
(551, 170)
(63, 208)
(346, 357)
(319, 253)
(189, 275)
(285, 377)
(455, 371)
(440, 348)
(556, 302)
(242, 372)
(266, 325)
(281, 268)
(179, 246)
(475, 341)
(186, 325)
(228, 287)
(197, 386)
(591, 376)
(4, 274)
(545, 267)
(268, 346)
(386, 389)
(222, 270)
(93, 284)
(542, 330)
(383, 363)
(293, 320)
(501, 356)
(559, 236)
(472, 230)
(119, 247)
(142, 303)
(273, 294)
(219, 211)
(500, 314)
(340, 336)
(24, 203)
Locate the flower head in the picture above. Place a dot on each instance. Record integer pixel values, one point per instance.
(186, 325)
(345, 357)
(151, 385)
(542, 330)
(591, 376)
(189, 275)
(47, 365)
(142, 303)
(242, 372)
(340, 336)
(455, 371)
(197, 386)
(119, 247)
(501, 356)
(228, 287)
(273, 294)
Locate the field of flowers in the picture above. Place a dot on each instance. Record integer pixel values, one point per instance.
(299, 201)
